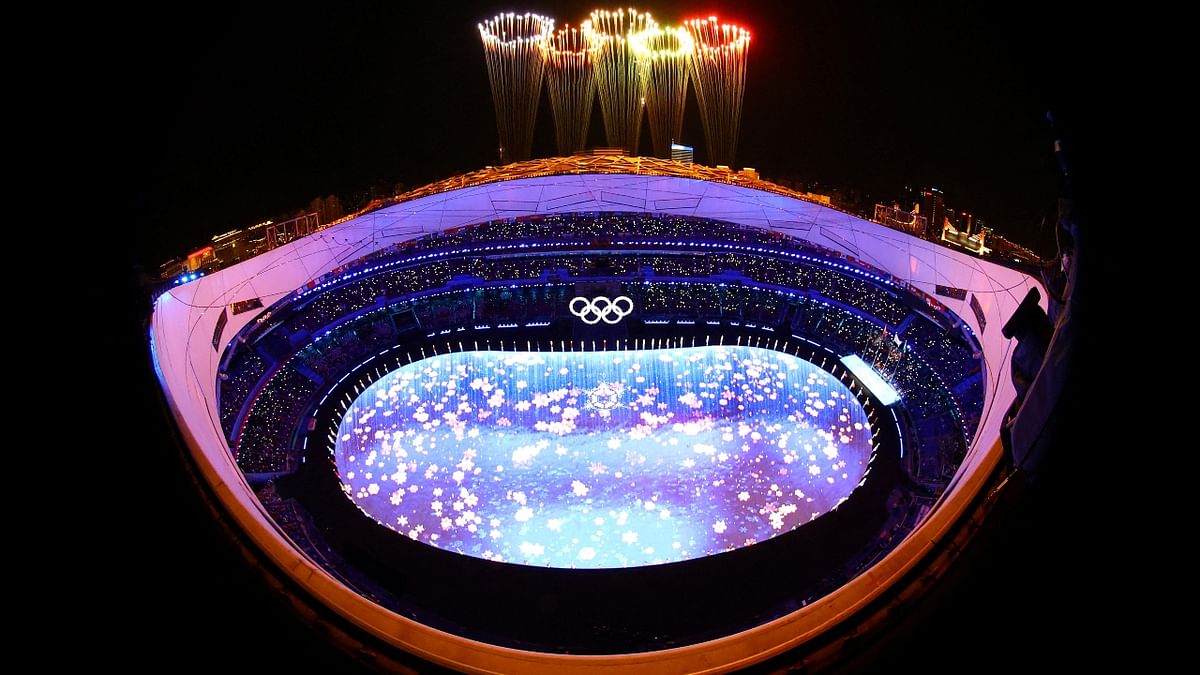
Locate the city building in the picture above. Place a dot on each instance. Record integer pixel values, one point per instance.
(897, 218)
(933, 208)
(975, 243)
(682, 153)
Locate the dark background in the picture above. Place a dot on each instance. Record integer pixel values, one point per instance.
(229, 115)
(244, 113)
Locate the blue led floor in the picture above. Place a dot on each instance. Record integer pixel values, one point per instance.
(602, 459)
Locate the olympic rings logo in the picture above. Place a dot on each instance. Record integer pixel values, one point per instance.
(600, 308)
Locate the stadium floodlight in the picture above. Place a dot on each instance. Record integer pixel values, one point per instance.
(512, 45)
(718, 68)
(622, 91)
(662, 56)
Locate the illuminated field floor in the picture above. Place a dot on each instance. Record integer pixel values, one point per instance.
(602, 459)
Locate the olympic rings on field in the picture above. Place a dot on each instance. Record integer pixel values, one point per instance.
(594, 310)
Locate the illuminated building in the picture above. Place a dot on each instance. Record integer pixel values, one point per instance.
(933, 208)
(896, 217)
(972, 242)
(488, 306)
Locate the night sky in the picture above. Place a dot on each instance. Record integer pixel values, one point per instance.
(242, 114)
(230, 115)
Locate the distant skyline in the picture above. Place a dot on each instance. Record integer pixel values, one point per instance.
(255, 111)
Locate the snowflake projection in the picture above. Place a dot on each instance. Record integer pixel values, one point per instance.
(604, 396)
(602, 459)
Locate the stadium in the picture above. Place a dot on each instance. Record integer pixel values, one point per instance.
(602, 410)
(590, 412)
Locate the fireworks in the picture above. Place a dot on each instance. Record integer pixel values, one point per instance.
(634, 63)
(662, 56)
(572, 80)
(718, 68)
(512, 44)
(622, 90)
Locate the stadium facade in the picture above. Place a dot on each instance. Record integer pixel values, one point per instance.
(196, 335)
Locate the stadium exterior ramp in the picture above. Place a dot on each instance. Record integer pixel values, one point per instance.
(187, 355)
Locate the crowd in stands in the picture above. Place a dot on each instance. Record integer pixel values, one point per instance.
(945, 399)
(706, 301)
(340, 349)
(237, 381)
(581, 231)
(347, 299)
(600, 226)
(265, 442)
(948, 352)
(321, 334)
